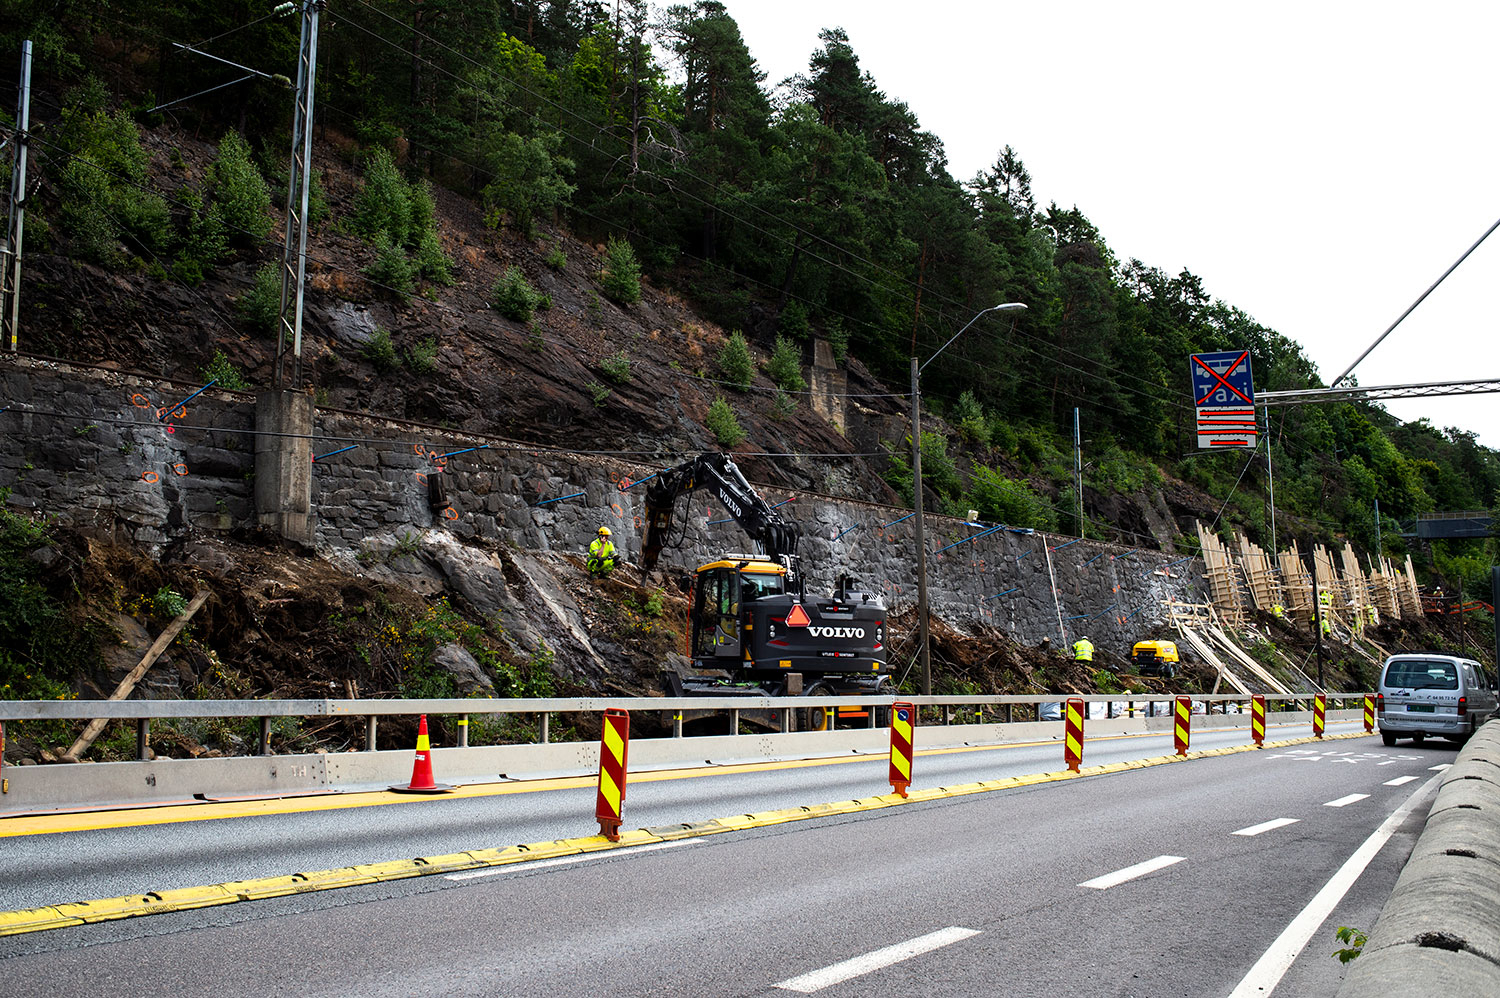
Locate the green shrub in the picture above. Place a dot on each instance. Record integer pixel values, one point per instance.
(898, 474)
(528, 179)
(785, 366)
(621, 275)
(422, 358)
(968, 414)
(102, 182)
(391, 269)
(616, 367)
(225, 373)
(722, 424)
(838, 339)
(792, 323)
(431, 262)
(239, 191)
(598, 393)
(734, 362)
(203, 243)
(383, 204)
(381, 352)
(1005, 500)
(556, 258)
(168, 603)
(421, 209)
(513, 296)
(783, 406)
(261, 305)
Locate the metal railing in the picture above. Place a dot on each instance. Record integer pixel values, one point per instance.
(946, 710)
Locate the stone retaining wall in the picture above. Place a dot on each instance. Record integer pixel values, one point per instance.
(91, 448)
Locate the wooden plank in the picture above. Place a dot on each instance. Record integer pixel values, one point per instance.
(128, 684)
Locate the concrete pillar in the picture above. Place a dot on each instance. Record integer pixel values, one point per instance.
(283, 464)
(828, 383)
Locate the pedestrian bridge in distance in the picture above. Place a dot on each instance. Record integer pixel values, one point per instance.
(1436, 526)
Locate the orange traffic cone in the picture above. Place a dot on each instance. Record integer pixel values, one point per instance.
(421, 770)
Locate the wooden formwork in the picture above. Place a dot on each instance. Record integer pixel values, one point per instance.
(1382, 590)
(1328, 578)
(1181, 615)
(1296, 584)
(1223, 578)
(1356, 586)
(1409, 595)
(1260, 574)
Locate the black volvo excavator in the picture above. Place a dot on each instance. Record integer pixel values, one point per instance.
(750, 617)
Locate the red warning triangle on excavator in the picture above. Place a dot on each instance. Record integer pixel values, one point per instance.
(797, 617)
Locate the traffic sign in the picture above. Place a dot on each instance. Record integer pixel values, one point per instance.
(1224, 397)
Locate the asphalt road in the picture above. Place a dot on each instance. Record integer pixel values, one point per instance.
(990, 884)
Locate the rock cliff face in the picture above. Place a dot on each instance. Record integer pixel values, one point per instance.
(498, 526)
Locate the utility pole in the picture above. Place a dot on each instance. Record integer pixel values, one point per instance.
(294, 250)
(10, 250)
(1318, 623)
(1078, 469)
(1271, 485)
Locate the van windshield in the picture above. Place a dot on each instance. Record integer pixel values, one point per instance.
(1422, 674)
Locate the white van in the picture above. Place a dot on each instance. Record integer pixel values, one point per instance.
(1429, 693)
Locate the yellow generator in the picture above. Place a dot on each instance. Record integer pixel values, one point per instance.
(1155, 658)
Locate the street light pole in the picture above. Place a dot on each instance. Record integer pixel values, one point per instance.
(916, 487)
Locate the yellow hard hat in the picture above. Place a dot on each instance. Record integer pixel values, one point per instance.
(603, 531)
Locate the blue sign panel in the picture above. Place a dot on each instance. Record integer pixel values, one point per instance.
(1222, 378)
(1224, 398)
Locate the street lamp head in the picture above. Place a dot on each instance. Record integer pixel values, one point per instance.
(1010, 306)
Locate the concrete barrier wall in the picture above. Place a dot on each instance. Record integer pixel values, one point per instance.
(1439, 934)
(44, 788)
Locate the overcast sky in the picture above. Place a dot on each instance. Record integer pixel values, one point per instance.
(1317, 164)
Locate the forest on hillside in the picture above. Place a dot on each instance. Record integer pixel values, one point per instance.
(816, 205)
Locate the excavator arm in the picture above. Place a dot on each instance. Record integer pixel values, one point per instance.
(723, 478)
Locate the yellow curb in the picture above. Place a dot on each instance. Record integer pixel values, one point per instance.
(130, 906)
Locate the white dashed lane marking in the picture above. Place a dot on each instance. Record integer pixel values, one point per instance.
(1400, 781)
(1439, 769)
(858, 966)
(1342, 801)
(1266, 826)
(1108, 880)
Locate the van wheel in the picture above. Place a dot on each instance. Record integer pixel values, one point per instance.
(1389, 737)
(1418, 738)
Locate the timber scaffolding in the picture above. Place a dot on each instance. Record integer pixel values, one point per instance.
(1257, 581)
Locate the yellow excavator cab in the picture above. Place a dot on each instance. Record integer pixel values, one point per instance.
(1158, 657)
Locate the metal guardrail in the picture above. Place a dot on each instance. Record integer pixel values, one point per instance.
(143, 712)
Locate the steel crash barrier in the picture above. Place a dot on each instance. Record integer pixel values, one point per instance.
(732, 729)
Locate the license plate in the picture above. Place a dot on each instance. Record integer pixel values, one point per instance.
(1419, 708)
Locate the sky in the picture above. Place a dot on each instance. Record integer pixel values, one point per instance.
(1317, 164)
